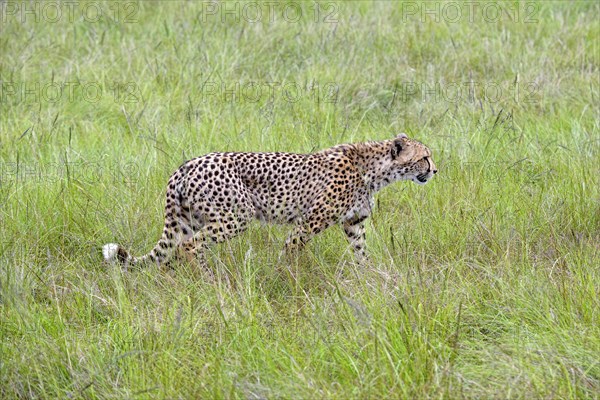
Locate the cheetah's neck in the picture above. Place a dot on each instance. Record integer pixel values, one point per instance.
(371, 158)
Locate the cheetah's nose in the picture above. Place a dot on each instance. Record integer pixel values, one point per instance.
(435, 171)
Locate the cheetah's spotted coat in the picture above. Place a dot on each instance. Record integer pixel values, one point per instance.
(212, 198)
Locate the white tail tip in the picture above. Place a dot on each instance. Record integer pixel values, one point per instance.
(109, 251)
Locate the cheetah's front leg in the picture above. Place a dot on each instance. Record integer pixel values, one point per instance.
(355, 232)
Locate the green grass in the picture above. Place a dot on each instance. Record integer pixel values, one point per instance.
(484, 283)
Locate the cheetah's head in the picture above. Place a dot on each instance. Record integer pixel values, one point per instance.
(411, 160)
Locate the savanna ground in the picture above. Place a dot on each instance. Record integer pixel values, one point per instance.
(483, 284)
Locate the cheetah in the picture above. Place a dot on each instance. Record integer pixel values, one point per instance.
(214, 197)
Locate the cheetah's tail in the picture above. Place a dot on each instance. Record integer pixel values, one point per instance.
(168, 242)
(113, 252)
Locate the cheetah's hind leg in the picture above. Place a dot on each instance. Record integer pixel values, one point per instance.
(217, 231)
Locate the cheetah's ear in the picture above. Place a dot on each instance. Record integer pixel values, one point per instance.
(398, 144)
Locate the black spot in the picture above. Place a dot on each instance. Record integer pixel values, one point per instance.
(122, 255)
(357, 220)
(396, 148)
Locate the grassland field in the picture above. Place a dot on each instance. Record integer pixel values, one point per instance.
(484, 283)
